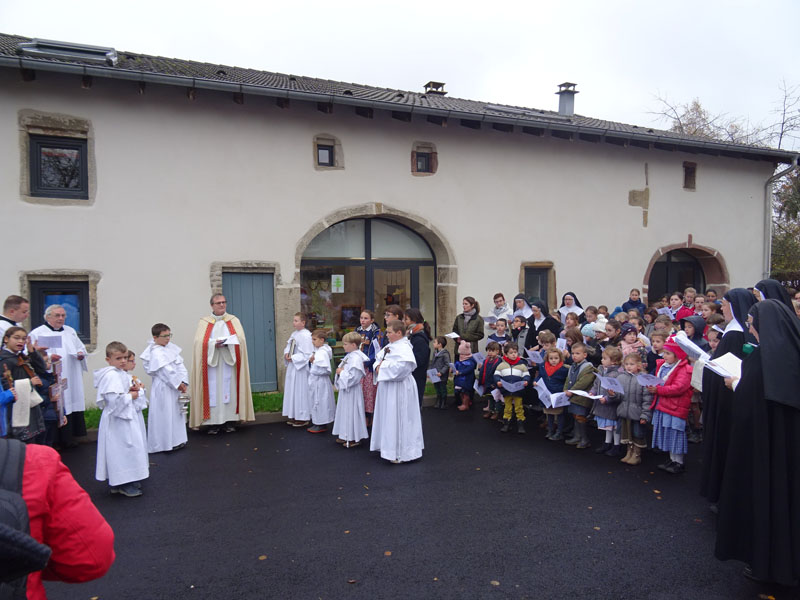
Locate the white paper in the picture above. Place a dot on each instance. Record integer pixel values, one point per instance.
(647, 379)
(479, 358)
(727, 365)
(585, 394)
(490, 319)
(513, 386)
(433, 375)
(452, 335)
(453, 368)
(697, 374)
(561, 343)
(665, 311)
(51, 342)
(478, 388)
(692, 350)
(231, 340)
(611, 383)
(544, 393)
(535, 357)
(559, 399)
(376, 345)
(497, 395)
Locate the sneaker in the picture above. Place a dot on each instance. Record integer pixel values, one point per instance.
(494, 417)
(290, 422)
(573, 441)
(300, 424)
(506, 427)
(317, 429)
(230, 429)
(665, 466)
(520, 427)
(615, 451)
(487, 415)
(213, 431)
(604, 448)
(129, 490)
(675, 468)
(583, 445)
(557, 437)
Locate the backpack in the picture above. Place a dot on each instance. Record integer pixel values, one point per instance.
(20, 554)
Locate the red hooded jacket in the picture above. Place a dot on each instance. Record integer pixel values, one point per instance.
(675, 396)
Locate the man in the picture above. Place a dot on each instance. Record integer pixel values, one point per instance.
(220, 385)
(15, 310)
(71, 352)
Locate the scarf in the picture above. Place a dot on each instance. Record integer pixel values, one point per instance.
(510, 362)
(550, 369)
(469, 314)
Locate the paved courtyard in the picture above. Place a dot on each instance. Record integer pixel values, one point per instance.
(274, 512)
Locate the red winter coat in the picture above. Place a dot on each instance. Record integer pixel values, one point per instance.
(675, 396)
(63, 517)
(683, 312)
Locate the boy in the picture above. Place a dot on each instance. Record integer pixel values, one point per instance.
(519, 333)
(512, 370)
(500, 336)
(580, 377)
(121, 437)
(320, 389)
(350, 424)
(486, 379)
(166, 427)
(657, 339)
(441, 364)
(298, 350)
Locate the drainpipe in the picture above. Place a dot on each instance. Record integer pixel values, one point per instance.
(768, 217)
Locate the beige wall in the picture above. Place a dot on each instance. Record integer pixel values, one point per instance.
(183, 184)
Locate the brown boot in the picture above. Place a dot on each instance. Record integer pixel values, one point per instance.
(627, 458)
(636, 459)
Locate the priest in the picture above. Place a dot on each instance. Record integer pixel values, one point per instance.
(220, 385)
(64, 346)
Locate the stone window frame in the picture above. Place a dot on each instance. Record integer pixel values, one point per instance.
(58, 125)
(428, 148)
(67, 275)
(326, 139)
(552, 296)
(689, 176)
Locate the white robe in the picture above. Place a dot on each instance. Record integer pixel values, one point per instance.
(320, 389)
(221, 377)
(166, 426)
(121, 437)
(350, 423)
(397, 423)
(296, 400)
(72, 369)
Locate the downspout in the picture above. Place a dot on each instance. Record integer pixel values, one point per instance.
(768, 217)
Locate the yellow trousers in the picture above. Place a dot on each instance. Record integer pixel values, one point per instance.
(514, 402)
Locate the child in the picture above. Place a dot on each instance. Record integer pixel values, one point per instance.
(500, 336)
(710, 308)
(613, 333)
(298, 350)
(605, 408)
(121, 437)
(663, 323)
(512, 370)
(441, 363)
(519, 332)
(580, 377)
(571, 321)
(714, 335)
(657, 339)
(486, 379)
(699, 302)
(369, 332)
(634, 302)
(397, 428)
(633, 410)
(350, 425)
(671, 406)
(602, 310)
(693, 327)
(166, 426)
(28, 387)
(500, 310)
(464, 375)
(320, 390)
(553, 374)
(590, 313)
(630, 341)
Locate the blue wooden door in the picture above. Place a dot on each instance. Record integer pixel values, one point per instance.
(250, 297)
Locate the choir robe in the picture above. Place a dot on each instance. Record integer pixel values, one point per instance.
(320, 389)
(72, 369)
(397, 422)
(166, 426)
(350, 423)
(121, 438)
(224, 393)
(296, 400)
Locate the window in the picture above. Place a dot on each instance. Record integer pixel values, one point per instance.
(58, 167)
(424, 159)
(72, 295)
(325, 155)
(689, 175)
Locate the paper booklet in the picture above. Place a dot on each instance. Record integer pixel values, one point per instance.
(433, 376)
(490, 319)
(232, 340)
(544, 393)
(665, 311)
(611, 383)
(647, 379)
(479, 358)
(51, 342)
(535, 357)
(452, 335)
(727, 365)
(497, 395)
(513, 386)
(561, 344)
(692, 350)
(478, 388)
(558, 400)
(585, 394)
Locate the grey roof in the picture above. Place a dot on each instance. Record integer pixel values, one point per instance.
(172, 71)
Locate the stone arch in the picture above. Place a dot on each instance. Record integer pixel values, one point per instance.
(446, 269)
(711, 261)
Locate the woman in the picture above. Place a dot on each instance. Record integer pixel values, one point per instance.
(541, 320)
(771, 289)
(570, 304)
(419, 334)
(759, 507)
(469, 324)
(717, 398)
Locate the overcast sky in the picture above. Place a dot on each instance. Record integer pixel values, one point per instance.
(733, 55)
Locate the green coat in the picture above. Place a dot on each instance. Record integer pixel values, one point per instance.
(584, 383)
(472, 331)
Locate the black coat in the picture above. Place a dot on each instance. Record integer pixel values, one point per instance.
(421, 346)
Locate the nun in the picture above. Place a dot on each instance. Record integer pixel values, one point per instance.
(759, 503)
(771, 289)
(717, 398)
(571, 304)
(540, 320)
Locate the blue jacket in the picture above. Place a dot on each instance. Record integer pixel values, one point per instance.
(465, 373)
(555, 382)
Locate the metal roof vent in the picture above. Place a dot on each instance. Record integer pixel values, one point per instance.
(68, 51)
(435, 87)
(566, 98)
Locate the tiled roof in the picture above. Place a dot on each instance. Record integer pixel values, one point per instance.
(133, 66)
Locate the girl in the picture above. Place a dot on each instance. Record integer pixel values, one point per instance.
(634, 302)
(650, 316)
(570, 303)
(605, 408)
(349, 424)
(630, 342)
(553, 374)
(677, 308)
(591, 314)
(699, 301)
(22, 368)
(369, 332)
(671, 406)
(419, 334)
(570, 321)
(710, 308)
(633, 410)
(464, 375)
(572, 336)
(469, 324)
(613, 333)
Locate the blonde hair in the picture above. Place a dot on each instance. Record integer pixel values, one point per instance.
(321, 334)
(352, 338)
(613, 354)
(116, 347)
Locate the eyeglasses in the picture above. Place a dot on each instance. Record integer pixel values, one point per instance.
(220, 302)
(165, 335)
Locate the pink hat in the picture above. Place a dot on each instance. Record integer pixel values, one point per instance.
(465, 348)
(672, 346)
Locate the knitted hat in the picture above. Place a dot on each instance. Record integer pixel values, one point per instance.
(672, 346)
(588, 330)
(600, 324)
(465, 348)
(627, 328)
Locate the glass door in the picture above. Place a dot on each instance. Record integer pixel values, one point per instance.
(391, 286)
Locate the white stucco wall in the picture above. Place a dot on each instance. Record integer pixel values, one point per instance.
(181, 184)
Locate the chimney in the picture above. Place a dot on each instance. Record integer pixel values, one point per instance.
(436, 88)
(566, 98)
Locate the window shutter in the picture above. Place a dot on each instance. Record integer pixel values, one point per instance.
(434, 161)
(413, 161)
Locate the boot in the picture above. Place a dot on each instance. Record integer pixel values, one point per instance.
(520, 427)
(636, 458)
(615, 451)
(628, 456)
(584, 436)
(506, 427)
(605, 447)
(575, 439)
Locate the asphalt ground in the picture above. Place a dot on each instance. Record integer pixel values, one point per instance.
(275, 512)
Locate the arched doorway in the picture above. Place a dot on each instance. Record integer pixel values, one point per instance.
(685, 265)
(365, 263)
